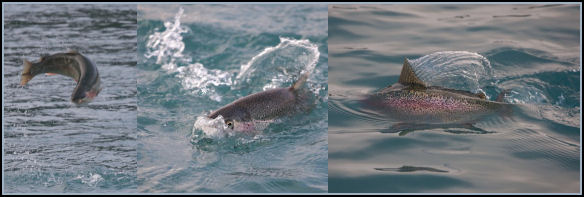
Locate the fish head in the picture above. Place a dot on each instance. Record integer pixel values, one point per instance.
(241, 126)
(86, 96)
(82, 97)
(236, 118)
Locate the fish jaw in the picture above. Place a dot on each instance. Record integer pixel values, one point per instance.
(244, 127)
(88, 96)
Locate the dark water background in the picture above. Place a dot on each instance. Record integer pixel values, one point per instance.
(194, 59)
(531, 49)
(51, 145)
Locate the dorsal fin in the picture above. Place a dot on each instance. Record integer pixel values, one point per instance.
(72, 51)
(408, 76)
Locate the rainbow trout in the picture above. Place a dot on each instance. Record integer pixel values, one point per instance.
(244, 114)
(411, 101)
(71, 64)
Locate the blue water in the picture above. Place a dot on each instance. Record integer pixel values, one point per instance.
(534, 50)
(193, 59)
(50, 145)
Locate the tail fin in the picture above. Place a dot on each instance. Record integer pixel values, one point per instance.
(501, 97)
(26, 75)
(298, 84)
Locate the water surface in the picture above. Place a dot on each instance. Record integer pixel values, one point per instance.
(50, 145)
(197, 58)
(531, 49)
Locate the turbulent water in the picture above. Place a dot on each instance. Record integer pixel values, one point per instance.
(51, 145)
(193, 59)
(533, 50)
(164, 68)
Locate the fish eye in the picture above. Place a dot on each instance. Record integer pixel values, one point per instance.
(229, 124)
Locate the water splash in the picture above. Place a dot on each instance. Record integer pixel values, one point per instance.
(168, 46)
(278, 63)
(274, 65)
(461, 70)
(526, 91)
(212, 128)
(271, 68)
(91, 180)
(202, 80)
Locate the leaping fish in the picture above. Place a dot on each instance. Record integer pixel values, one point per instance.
(411, 101)
(72, 64)
(243, 114)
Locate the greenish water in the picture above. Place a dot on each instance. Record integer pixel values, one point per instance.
(193, 59)
(534, 50)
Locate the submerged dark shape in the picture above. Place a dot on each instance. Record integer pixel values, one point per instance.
(244, 113)
(72, 64)
(411, 169)
(418, 106)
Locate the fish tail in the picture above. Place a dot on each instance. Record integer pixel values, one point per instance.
(501, 97)
(26, 75)
(298, 84)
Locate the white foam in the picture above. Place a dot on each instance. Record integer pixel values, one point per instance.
(454, 69)
(212, 128)
(92, 180)
(168, 46)
(289, 57)
(202, 80)
(276, 64)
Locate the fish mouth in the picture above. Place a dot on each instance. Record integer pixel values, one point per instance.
(83, 100)
(88, 97)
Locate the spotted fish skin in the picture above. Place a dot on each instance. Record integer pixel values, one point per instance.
(410, 100)
(431, 105)
(251, 112)
(259, 106)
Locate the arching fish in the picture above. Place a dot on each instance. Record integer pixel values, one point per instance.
(72, 64)
(244, 114)
(418, 106)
